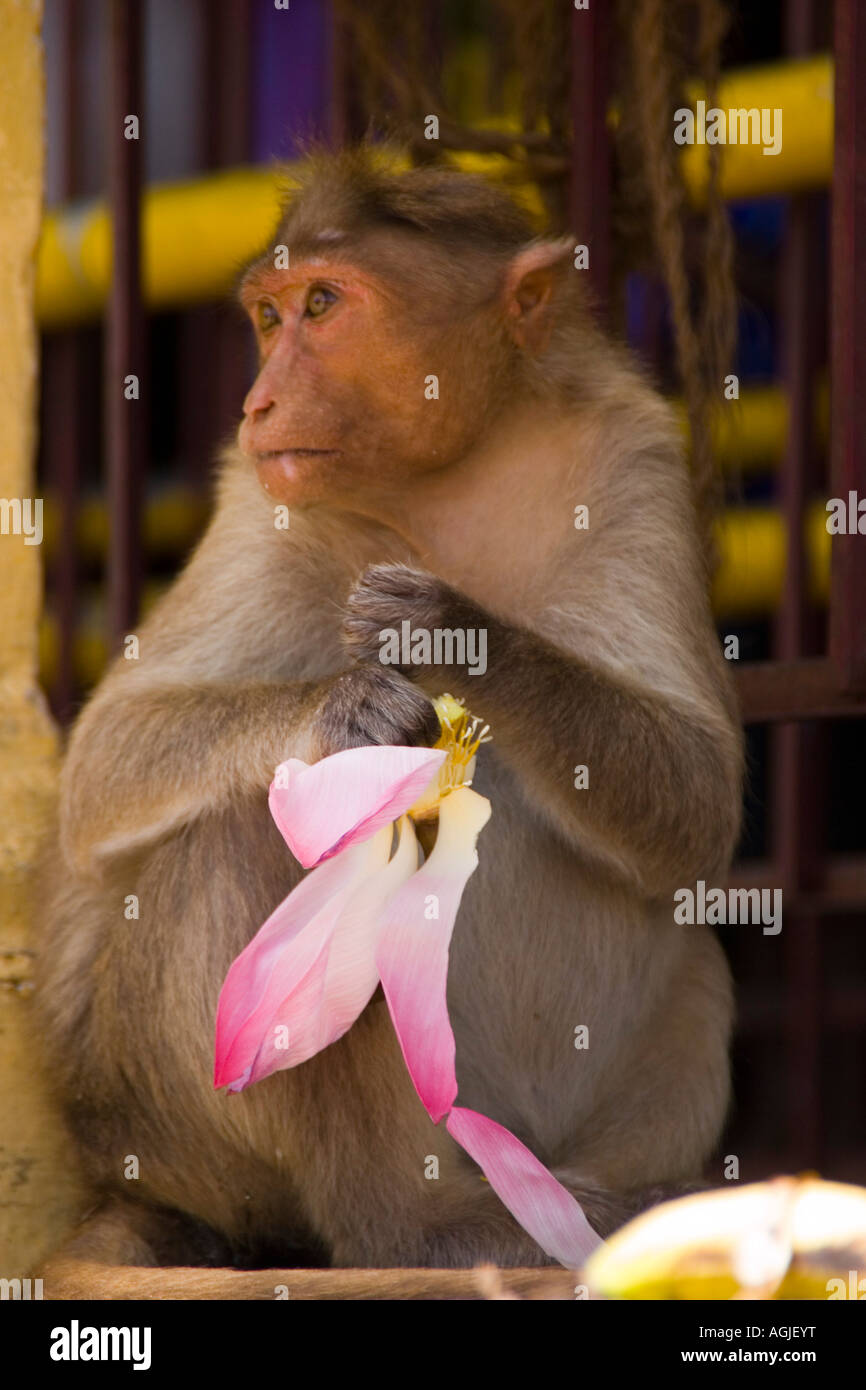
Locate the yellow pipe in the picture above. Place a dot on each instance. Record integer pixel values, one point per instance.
(172, 519)
(750, 435)
(89, 646)
(197, 235)
(752, 557)
(803, 91)
(752, 431)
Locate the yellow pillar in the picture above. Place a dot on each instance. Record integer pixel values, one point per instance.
(37, 1183)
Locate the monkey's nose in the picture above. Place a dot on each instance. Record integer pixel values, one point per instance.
(259, 399)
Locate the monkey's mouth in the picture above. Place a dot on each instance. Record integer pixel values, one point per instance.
(288, 474)
(268, 455)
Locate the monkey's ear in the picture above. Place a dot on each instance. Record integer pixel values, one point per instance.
(530, 284)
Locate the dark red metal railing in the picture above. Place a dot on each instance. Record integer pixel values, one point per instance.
(125, 435)
(848, 355)
(590, 183)
(798, 750)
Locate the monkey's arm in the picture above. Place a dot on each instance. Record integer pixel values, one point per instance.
(663, 796)
(142, 764)
(145, 760)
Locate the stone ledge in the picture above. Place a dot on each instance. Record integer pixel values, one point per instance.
(65, 1282)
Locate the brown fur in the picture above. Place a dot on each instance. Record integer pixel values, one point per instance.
(601, 650)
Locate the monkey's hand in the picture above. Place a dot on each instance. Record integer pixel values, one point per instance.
(548, 710)
(385, 597)
(372, 704)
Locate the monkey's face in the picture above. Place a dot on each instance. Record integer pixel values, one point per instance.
(361, 384)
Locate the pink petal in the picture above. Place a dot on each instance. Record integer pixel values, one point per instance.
(324, 1004)
(351, 957)
(412, 955)
(324, 807)
(285, 956)
(248, 975)
(544, 1208)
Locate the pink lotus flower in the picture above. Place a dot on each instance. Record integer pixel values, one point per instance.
(367, 912)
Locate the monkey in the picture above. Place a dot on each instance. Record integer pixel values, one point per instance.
(540, 493)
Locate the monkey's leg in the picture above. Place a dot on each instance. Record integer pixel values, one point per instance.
(483, 1230)
(130, 1233)
(114, 1255)
(127, 1250)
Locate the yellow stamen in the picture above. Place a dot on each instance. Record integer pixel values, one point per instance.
(461, 736)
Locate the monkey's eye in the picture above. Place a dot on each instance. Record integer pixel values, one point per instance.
(318, 300)
(266, 315)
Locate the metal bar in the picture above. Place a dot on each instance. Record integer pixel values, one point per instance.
(228, 73)
(798, 749)
(809, 689)
(211, 333)
(124, 357)
(803, 1013)
(338, 64)
(229, 99)
(803, 339)
(70, 153)
(194, 324)
(347, 120)
(63, 387)
(848, 341)
(590, 184)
